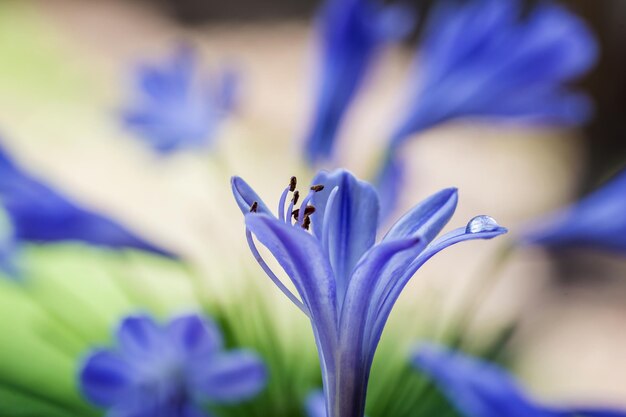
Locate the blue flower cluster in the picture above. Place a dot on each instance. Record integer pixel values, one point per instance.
(478, 58)
(169, 371)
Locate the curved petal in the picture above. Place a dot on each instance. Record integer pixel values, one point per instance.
(245, 196)
(230, 377)
(389, 182)
(302, 258)
(593, 412)
(105, 378)
(481, 389)
(596, 221)
(139, 337)
(451, 238)
(477, 389)
(484, 59)
(357, 342)
(40, 214)
(393, 291)
(347, 225)
(351, 33)
(197, 337)
(427, 218)
(374, 273)
(315, 404)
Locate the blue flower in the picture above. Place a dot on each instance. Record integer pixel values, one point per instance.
(346, 282)
(174, 109)
(597, 221)
(480, 59)
(169, 371)
(351, 33)
(480, 389)
(316, 404)
(39, 214)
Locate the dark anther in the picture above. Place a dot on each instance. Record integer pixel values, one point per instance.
(317, 188)
(306, 223)
(254, 207)
(296, 196)
(307, 212)
(292, 184)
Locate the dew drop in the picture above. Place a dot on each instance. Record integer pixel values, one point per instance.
(482, 224)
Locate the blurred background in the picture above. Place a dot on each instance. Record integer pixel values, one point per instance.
(65, 71)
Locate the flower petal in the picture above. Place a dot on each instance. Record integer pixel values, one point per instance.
(105, 378)
(481, 389)
(302, 258)
(40, 214)
(372, 276)
(196, 336)
(347, 227)
(476, 388)
(139, 337)
(595, 221)
(427, 218)
(482, 59)
(593, 412)
(351, 33)
(397, 283)
(245, 196)
(315, 404)
(389, 183)
(230, 377)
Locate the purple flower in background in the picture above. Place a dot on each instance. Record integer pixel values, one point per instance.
(346, 282)
(169, 371)
(39, 214)
(597, 221)
(482, 59)
(174, 109)
(480, 389)
(351, 34)
(315, 405)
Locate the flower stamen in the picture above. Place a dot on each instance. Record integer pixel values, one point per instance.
(272, 276)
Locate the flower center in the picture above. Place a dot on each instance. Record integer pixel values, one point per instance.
(296, 216)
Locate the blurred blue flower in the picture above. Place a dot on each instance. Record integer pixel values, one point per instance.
(316, 404)
(351, 33)
(169, 371)
(481, 59)
(38, 214)
(597, 221)
(174, 109)
(347, 284)
(480, 389)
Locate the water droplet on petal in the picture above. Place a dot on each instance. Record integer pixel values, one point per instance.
(482, 224)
